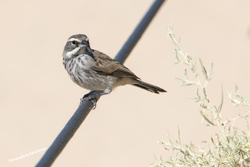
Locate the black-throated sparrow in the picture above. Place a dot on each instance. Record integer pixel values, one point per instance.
(96, 71)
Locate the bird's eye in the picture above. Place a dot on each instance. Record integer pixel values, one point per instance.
(73, 42)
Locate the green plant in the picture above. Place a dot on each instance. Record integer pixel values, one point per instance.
(229, 148)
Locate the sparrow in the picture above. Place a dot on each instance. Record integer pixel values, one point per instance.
(96, 71)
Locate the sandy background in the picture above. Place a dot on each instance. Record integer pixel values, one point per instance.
(38, 98)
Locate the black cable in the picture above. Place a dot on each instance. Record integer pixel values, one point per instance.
(85, 107)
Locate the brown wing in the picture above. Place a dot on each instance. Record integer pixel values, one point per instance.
(107, 66)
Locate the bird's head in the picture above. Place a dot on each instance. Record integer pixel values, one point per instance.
(76, 45)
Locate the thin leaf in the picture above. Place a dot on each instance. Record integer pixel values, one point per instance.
(211, 70)
(167, 133)
(213, 142)
(247, 123)
(221, 103)
(203, 70)
(198, 96)
(236, 89)
(179, 134)
(185, 75)
(202, 114)
(205, 93)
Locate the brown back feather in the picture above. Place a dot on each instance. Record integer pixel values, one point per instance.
(107, 66)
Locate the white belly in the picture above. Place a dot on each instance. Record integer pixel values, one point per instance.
(79, 70)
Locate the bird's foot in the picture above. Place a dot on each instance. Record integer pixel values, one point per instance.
(92, 96)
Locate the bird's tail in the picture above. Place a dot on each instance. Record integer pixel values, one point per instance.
(149, 87)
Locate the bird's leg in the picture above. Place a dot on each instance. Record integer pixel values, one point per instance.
(92, 96)
(88, 96)
(107, 91)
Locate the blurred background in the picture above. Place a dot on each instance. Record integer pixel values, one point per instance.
(38, 97)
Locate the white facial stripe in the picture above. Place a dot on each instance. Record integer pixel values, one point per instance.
(73, 52)
(74, 39)
(87, 39)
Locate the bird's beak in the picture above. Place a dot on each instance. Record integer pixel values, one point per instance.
(82, 46)
(84, 43)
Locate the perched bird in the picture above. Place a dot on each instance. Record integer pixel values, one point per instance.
(94, 70)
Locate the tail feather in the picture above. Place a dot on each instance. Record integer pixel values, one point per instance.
(149, 87)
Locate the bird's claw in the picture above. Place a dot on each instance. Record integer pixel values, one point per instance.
(92, 98)
(94, 102)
